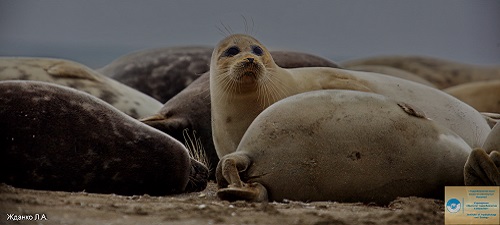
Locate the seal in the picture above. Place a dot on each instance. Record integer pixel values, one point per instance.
(189, 112)
(492, 143)
(353, 147)
(164, 72)
(58, 138)
(484, 96)
(80, 77)
(442, 73)
(491, 118)
(483, 165)
(190, 109)
(160, 72)
(244, 80)
(391, 71)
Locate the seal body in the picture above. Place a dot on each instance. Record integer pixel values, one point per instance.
(80, 77)
(484, 96)
(442, 73)
(353, 146)
(493, 141)
(162, 72)
(188, 113)
(57, 138)
(245, 80)
(391, 71)
(190, 109)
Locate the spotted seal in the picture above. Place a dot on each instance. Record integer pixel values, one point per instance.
(80, 77)
(57, 138)
(352, 147)
(442, 73)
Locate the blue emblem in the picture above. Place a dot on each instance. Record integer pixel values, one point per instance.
(453, 205)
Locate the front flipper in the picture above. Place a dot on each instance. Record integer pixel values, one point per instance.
(482, 169)
(231, 186)
(253, 192)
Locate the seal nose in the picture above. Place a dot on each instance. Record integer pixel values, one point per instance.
(250, 60)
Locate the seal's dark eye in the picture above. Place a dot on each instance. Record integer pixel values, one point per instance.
(232, 51)
(257, 50)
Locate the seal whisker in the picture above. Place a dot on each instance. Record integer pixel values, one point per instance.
(267, 94)
(253, 25)
(276, 87)
(224, 91)
(221, 31)
(225, 30)
(246, 24)
(195, 147)
(261, 96)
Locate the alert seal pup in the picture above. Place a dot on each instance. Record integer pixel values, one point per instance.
(354, 146)
(442, 73)
(190, 109)
(80, 77)
(57, 138)
(244, 80)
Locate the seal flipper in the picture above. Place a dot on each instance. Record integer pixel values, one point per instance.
(228, 169)
(69, 70)
(169, 126)
(482, 169)
(231, 186)
(254, 192)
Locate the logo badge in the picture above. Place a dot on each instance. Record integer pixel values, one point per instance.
(453, 205)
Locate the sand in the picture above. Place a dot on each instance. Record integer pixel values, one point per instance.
(204, 208)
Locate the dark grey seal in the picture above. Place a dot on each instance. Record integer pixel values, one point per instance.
(57, 138)
(160, 73)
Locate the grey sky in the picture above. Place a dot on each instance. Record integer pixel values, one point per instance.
(94, 32)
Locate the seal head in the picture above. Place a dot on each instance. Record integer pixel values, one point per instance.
(242, 64)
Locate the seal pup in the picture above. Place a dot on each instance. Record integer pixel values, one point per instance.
(190, 109)
(352, 147)
(164, 72)
(483, 165)
(56, 138)
(484, 96)
(440, 72)
(77, 76)
(244, 80)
